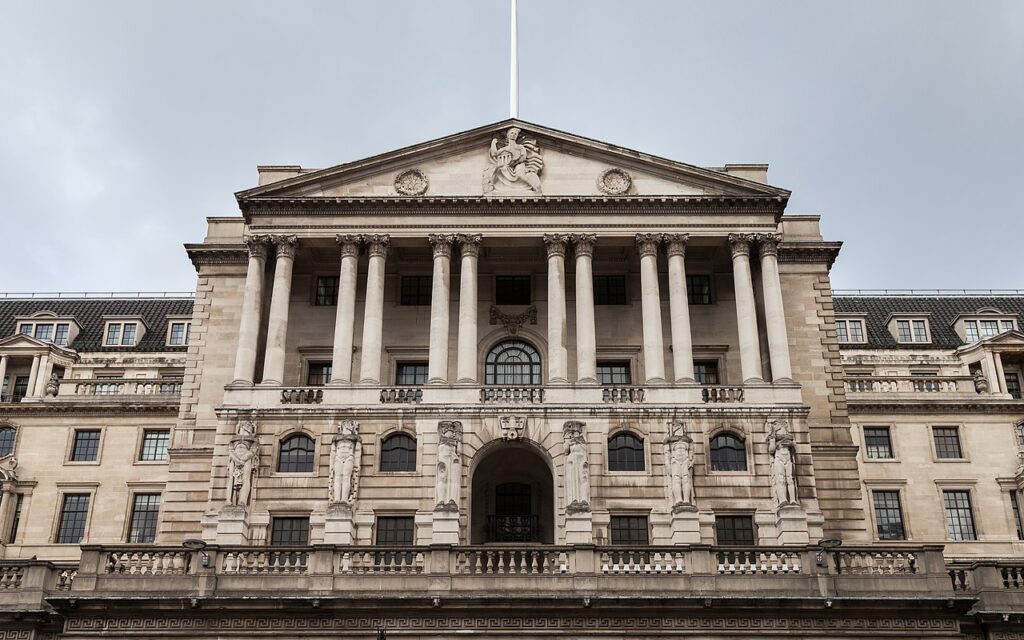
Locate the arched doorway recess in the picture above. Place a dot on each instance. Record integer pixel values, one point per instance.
(513, 496)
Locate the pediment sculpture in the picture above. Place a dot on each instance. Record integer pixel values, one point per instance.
(514, 164)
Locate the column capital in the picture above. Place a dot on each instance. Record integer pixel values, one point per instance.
(470, 243)
(285, 245)
(675, 244)
(442, 244)
(555, 243)
(648, 243)
(377, 244)
(257, 245)
(768, 243)
(583, 244)
(349, 244)
(740, 243)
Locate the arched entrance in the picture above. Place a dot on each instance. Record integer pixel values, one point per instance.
(513, 497)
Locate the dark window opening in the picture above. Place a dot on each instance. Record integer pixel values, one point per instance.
(86, 447)
(511, 290)
(411, 374)
(73, 515)
(877, 442)
(698, 289)
(296, 455)
(394, 531)
(947, 443)
(289, 531)
(610, 290)
(415, 290)
(319, 374)
(614, 373)
(888, 515)
(326, 291)
(145, 511)
(625, 453)
(728, 453)
(734, 530)
(706, 372)
(632, 530)
(398, 453)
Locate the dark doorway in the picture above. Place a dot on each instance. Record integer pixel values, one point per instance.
(513, 497)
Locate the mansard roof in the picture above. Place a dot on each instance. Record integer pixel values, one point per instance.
(941, 312)
(90, 315)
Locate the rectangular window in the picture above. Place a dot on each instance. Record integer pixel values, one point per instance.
(319, 374)
(180, 334)
(920, 332)
(1007, 325)
(73, 515)
(145, 510)
(989, 328)
(20, 388)
(128, 334)
(1013, 385)
(25, 329)
(326, 291)
(394, 530)
(121, 334)
(971, 330)
(698, 289)
(842, 334)
(411, 374)
(734, 530)
(877, 443)
(290, 531)
(959, 517)
(629, 530)
(44, 332)
(512, 290)
(614, 373)
(415, 290)
(888, 515)
(1014, 503)
(706, 371)
(154, 444)
(113, 334)
(60, 337)
(86, 447)
(850, 331)
(609, 289)
(947, 443)
(903, 329)
(17, 517)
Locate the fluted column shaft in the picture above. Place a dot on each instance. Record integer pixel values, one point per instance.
(586, 331)
(679, 308)
(650, 303)
(558, 355)
(467, 354)
(746, 314)
(774, 314)
(373, 310)
(252, 305)
(280, 298)
(344, 321)
(440, 308)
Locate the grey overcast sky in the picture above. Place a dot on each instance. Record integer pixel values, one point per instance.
(124, 124)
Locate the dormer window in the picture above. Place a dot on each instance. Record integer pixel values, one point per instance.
(975, 330)
(121, 334)
(850, 331)
(178, 333)
(55, 332)
(911, 330)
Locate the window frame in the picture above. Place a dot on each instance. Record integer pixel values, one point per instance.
(53, 323)
(279, 452)
(742, 437)
(4, 426)
(276, 518)
(642, 458)
(697, 361)
(606, 278)
(619, 516)
(324, 365)
(138, 333)
(961, 440)
(900, 502)
(416, 301)
(132, 504)
(399, 364)
(626, 364)
(141, 445)
(384, 438)
(911, 320)
(315, 298)
(68, 460)
(62, 496)
(690, 278)
(379, 519)
(847, 324)
(894, 456)
(529, 289)
(962, 325)
(972, 511)
(186, 334)
(536, 372)
(735, 516)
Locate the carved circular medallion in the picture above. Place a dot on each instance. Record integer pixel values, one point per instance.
(614, 182)
(411, 183)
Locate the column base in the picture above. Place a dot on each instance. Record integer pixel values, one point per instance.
(655, 381)
(466, 381)
(338, 383)
(754, 381)
(370, 381)
(783, 381)
(587, 381)
(241, 383)
(338, 524)
(437, 381)
(271, 383)
(686, 381)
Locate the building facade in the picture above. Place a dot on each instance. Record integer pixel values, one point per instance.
(516, 383)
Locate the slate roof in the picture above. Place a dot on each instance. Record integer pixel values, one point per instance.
(90, 314)
(941, 313)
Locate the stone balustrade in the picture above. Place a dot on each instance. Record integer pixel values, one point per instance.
(722, 394)
(24, 584)
(622, 394)
(401, 395)
(512, 395)
(948, 385)
(76, 389)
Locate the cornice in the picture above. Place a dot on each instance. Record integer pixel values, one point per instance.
(904, 406)
(809, 252)
(72, 408)
(217, 254)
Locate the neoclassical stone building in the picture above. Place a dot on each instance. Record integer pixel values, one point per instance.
(514, 383)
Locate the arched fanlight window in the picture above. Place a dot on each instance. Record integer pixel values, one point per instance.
(512, 362)
(297, 453)
(6, 441)
(625, 453)
(398, 453)
(728, 453)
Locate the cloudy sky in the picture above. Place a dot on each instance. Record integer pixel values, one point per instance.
(124, 124)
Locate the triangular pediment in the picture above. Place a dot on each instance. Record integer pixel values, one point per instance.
(465, 165)
(21, 343)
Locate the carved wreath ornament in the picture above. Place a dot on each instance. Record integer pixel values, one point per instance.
(412, 182)
(614, 182)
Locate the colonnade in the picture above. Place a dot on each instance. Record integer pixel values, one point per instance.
(557, 247)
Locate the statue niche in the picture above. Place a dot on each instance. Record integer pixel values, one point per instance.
(514, 166)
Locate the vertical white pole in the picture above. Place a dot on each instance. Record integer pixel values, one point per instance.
(514, 69)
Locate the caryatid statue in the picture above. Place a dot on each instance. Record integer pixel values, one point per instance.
(577, 473)
(346, 452)
(243, 462)
(449, 465)
(782, 449)
(679, 466)
(515, 161)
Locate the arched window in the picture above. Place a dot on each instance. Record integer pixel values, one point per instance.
(728, 453)
(6, 441)
(512, 362)
(625, 453)
(297, 454)
(398, 453)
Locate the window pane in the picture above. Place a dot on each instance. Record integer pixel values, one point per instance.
(1013, 385)
(706, 371)
(971, 331)
(398, 453)
(74, 513)
(44, 331)
(128, 337)
(841, 333)
(989, 328)
(25, 330)
(513, 290)
(178, 334)
(625, 453)
(734, 530)
(113, 333)
(888, 515)
(613, 373)
(1007, 325)
(86, 447)
(61, 336)
(877, 442)
(7, 441)
(291, 531)
(415, 290)
(395, 530)
(154, 444)
(728, 453)
(629, 530)
(326, 291)
(698, 289)
(145, 511)
(411, 373)
(319, 374)
(947, 442)
(20, 388)
(959, 519)
(609, 289)
(920, 335)
(856, 331)
(513, 363)
(296, 455)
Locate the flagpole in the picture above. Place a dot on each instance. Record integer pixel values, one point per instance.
(514, 68)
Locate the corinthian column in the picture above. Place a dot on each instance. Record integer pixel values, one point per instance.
(344, 321)
(774, 315)
(650, 303)
(746, 315)
(440, 309)
(679, 307)
(467, 357)
(252, 304)
(558, 355)
(586, 332)
(277, 323)
(373, 310)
